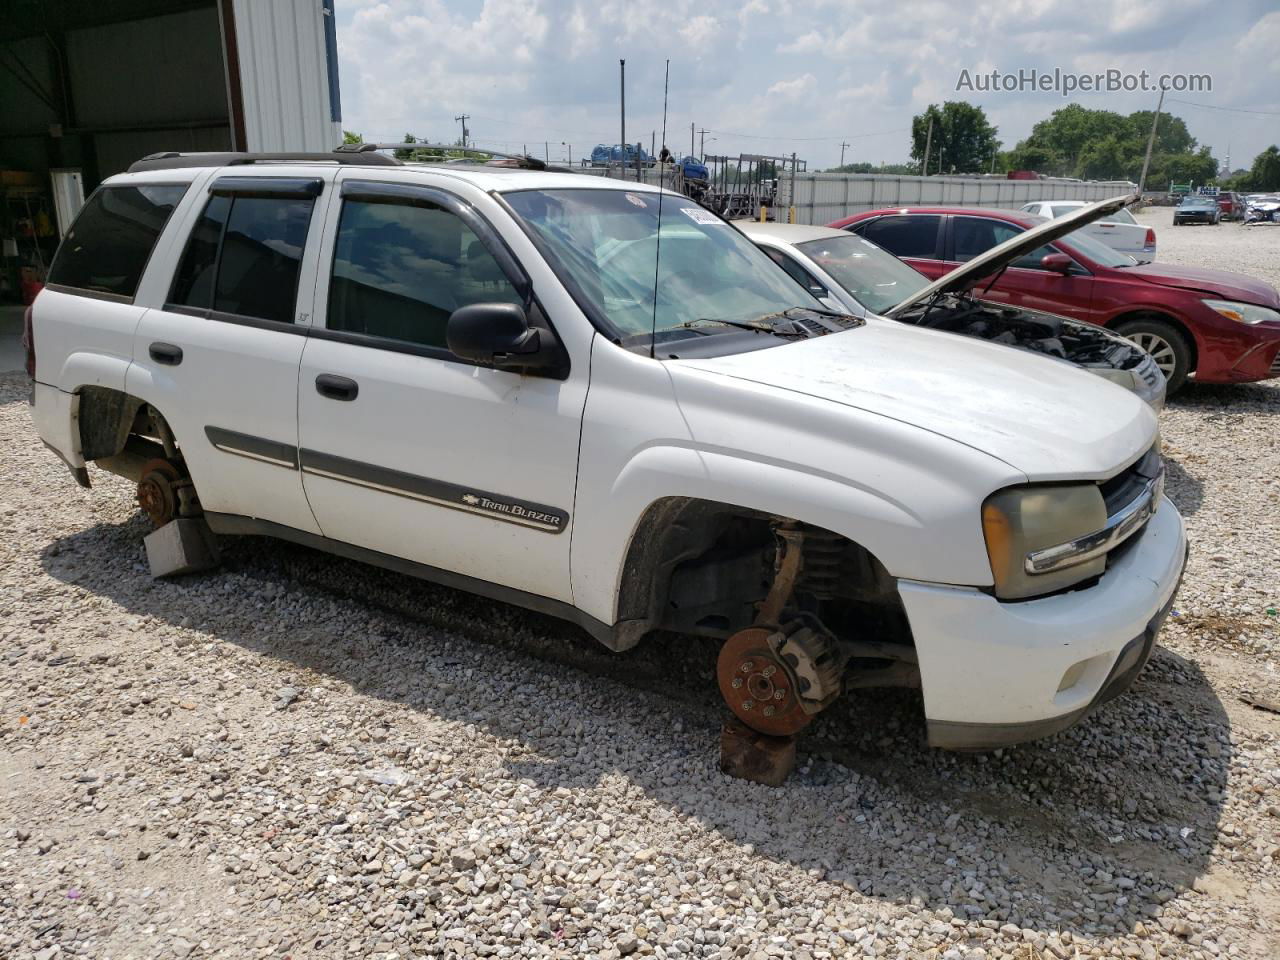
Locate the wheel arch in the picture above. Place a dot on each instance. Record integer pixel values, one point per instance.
(1151, 313)
(715, 546)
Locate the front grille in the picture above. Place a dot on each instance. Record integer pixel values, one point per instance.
(1127, 485)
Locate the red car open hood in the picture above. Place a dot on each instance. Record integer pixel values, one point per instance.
(1216, 283)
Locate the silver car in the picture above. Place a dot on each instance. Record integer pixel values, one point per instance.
(853, 275)
(1118, 230)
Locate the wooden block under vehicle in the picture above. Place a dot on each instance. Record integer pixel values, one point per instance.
(753, 756)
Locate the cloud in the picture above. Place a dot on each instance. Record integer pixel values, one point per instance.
(791, 89)
(772, 76)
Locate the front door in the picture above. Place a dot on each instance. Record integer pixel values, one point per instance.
(1025, 283)
(405, 448)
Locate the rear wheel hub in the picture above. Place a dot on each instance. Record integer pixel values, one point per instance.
(156, 491)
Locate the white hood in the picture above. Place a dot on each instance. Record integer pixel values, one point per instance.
(1049, 420)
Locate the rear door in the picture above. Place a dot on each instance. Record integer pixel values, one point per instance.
(1025, 283)
(407, 449)
(914, 237)
(220, 358)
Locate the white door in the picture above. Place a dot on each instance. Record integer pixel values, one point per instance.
(406, 449)
(220, 358)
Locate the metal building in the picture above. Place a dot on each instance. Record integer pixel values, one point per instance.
(92, 85)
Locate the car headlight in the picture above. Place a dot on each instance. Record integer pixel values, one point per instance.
(1020, 521)
(1249, 313)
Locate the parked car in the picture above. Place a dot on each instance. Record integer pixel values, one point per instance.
(429, 369)
(692, 168)
(603, 156)
(1117, 230)
(1230, 205)
(852, 274)
(1220, 327)
(1196, 209)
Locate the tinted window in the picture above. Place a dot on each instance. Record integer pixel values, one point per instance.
(193, 286)
(107, 247)
(914, 236)
(399, 271)
(974, 235)
(243, 257)
(796, 272)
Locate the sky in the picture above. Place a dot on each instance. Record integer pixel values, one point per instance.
(778, 76)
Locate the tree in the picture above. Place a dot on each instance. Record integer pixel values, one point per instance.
(962, 137)
(1198, 168)
(1101, 145)
(1264, 175)
(350, 137)
(888, 169)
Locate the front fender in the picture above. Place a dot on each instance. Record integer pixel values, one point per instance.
(911, 498)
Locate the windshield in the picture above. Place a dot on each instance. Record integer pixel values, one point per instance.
(876, 278)
(603, 244)
(1096, 250)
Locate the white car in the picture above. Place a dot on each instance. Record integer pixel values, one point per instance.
(850, 273)
(1118, 230)
(429, 369)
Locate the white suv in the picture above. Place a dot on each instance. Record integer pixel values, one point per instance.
(599, 400)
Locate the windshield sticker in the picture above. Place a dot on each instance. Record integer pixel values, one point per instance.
(638, 201)
(698, 215)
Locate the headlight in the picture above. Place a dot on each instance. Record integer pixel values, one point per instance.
(1249, 313)
(1021, 520)
(1123, 378)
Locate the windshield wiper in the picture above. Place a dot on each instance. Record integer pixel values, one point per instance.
(754, 325)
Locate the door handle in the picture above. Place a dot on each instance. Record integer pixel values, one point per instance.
(165, 353)
(336, 388)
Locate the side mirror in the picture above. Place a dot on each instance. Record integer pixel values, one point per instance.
(496, 335)
(1057, 262)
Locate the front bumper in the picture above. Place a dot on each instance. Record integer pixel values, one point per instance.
(995, 674)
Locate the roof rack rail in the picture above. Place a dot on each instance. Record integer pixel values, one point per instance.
(172, 160)
(524, 159)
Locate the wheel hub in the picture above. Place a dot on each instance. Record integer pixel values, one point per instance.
(156, 494)
(759, 687)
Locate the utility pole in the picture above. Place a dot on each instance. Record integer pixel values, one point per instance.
(463, 120)
(622, 88)
(653, 143)
(1151, 142)
(842, 146)
(691, 139)
(702, 142)
(546, 150)
(928, 141)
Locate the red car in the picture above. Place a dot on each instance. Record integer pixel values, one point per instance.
(1222, 327)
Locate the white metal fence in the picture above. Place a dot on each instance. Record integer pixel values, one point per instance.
(824, 197)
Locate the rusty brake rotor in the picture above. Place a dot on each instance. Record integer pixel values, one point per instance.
(759, 687)
(156, 493)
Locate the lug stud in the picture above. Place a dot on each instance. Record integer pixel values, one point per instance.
(768, 711)
(747, 704)
(737, 682)
(770, 670)
(779, 694)
(748, 666)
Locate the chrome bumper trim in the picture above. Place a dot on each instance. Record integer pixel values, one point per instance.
(1121, 525)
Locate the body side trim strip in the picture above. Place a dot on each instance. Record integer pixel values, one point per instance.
(492, 505)
(255, 448)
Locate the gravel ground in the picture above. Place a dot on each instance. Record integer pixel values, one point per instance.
(299, 756)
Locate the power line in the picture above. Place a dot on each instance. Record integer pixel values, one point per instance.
(1209, 106)
(754, 136)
